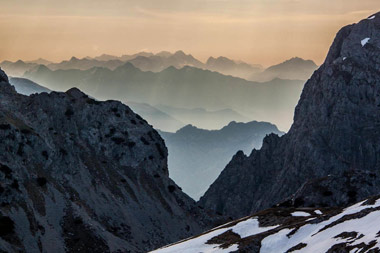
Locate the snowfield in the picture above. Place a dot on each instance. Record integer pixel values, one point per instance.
(354, 229)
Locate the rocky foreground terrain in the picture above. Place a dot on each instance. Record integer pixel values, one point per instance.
(334, 139)
(353, 229)
(79, 175)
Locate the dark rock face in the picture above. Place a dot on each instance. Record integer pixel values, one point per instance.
(78, 174)
(336, 129)
(196, 156)
(3, 76)
(335, 190)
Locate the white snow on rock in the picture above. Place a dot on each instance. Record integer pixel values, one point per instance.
(344, 58)
(300, 214)
(372, 17)
(365, 41)
(321, 241)
(250, 227)
(198, 244)
(308, 236)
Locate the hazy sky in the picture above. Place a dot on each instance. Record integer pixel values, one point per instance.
(256, 31)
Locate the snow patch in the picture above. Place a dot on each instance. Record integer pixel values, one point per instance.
(365, 41)
(344, 58)
(318, 212)
(250, 227)
(372, 17)
(300, 214)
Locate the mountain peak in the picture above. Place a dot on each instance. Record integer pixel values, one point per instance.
(333, 132)
(180, 53)
(127, 66)
(164, 54)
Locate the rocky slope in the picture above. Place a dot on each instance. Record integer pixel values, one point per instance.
(81, 175)
(196, 156)
(293, 230)
(335, 131)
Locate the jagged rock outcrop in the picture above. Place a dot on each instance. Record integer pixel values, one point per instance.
(82, 175)
(335, 190)
(197, 156)
(336, 129)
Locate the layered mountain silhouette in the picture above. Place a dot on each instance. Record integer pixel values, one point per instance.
(27, 87)
(187, 87)
(335, 134)
(203, 118)
(196, 156)
(17, 68)
(85, 63)
(233, 68)
(82, 175)
(156, 117)
(294, 69)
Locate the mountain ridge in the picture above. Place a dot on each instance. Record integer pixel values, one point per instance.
(334, 131)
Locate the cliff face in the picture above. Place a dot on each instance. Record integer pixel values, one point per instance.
(336, 129)
(79, 174)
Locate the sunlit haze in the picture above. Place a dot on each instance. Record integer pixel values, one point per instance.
(261, 31)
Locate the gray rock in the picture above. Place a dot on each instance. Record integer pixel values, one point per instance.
(335, 190)
(336, 129)
(82, 175)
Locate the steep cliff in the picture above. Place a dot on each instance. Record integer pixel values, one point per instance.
(78, 174)
(336, 130)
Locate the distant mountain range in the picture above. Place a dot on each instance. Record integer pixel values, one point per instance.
(18, 68)
(187, 87)
(203, 118)
(295, 68)
(159, 119)
(197, 156)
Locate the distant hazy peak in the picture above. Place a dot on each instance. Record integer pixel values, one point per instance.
(295, 61)
(164, 54)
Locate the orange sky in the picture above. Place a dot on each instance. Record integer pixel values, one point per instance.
(256, 31)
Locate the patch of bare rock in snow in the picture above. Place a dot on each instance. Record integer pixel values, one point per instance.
(353, 229)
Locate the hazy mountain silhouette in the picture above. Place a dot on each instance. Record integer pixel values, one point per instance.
(160, 62)
(85, 63)
(27, 87)
(17, 68)
(157, 118)
(229, 67)
(203, 118)
(40, 61)
(293, 69)
(187, 87)
(197, 156)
